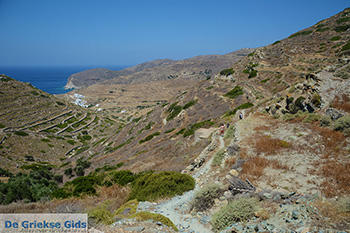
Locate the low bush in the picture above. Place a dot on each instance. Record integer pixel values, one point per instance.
(101, 214)
(346, 46)
(152, 186)
(227, 72)
(325, 121)
(236, 211)
(242, 106)
(31, 187)
(342, 124)
(230, 132)
(21, 133)
(144, 216)
(149, 137)
(303, 33)
(192, 128)
(312, 117)
(344, 203)
(235, 92)
(342, 28)
(335, 38)
(190, 103)
(218, 157)
(205, 197)
(130, 205)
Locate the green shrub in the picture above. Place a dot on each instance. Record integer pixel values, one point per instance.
(236, 211)
(335, 38)
(60, 194)
(62, 126)
(192, 128)
(230, 132)
(81, 150)
(68, 171)
(2, 126)
(123, 177)
(72, 142)
(101, 214)
(152, 186)
(265, 80)
(58, 178)
(343, 19)
(290, 116)
(346, 46)
(242, 106)
(174, 112)
(227, 72)
(189, 104)
(322, 29)
(342, 28)
(326, 121)
(276, 42)
(344, 203)
(30, 187)
(149, 137)
(5, 173)
(235, 92)
(218, 157)
(316, 100)
(253, 74)
(21, 133)
(342, 124)
(34, 93)
(303, 33)
(311, 117)
(45, 140)
(205, 198)
(83, 185)
(170, 130)
(83, 163)
(79, 170)
(132, 205)
(144, 216)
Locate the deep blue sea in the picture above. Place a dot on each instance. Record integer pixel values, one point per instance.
(51, 79)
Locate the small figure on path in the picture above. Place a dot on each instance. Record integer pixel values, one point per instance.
(240, 115)
(222, 129)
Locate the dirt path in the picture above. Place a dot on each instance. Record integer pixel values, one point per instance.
(177, 208)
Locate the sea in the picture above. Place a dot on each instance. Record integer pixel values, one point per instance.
(50, 79)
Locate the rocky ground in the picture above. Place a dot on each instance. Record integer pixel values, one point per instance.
(289, 201)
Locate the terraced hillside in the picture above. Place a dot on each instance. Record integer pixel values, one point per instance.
(40, 129)
(306, 72)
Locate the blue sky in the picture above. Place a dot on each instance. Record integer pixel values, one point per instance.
(128, 32)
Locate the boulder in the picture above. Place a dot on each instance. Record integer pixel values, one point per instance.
(234, 172)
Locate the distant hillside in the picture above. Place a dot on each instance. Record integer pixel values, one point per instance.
(141, 91)
(92, 76)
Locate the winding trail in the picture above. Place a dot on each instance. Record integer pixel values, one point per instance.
(177, 208)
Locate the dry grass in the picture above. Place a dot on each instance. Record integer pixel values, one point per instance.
(337, 178)
(269, 146)
(342, 102)
(253, 169)
(229, 162)
(331, 215)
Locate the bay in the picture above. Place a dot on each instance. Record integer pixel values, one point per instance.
(50, 79)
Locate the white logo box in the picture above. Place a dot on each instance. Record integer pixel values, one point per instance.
(38, 223)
